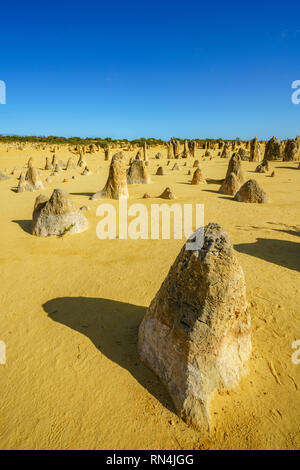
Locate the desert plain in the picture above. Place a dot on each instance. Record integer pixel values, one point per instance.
(71, 307)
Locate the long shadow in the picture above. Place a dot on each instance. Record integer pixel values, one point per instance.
(290, 232)
(113, 328)
(289, 167)
(212, 191)
(214, 181)
(25, 225)
(82, 194)
(290, 229)
(226, 197)
(282, 252)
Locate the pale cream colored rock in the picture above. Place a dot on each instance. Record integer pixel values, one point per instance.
(235, 166)
(137, 173)
(170, 153)
(176, 167)
(57, 216)
(230, 185)
(255, 152)
(116, 185)
(70, 164)
(196, 334)
(32, 180)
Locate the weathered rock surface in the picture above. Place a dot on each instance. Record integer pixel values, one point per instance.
(48, 165)
(230, 185)
(192, 147)
(22, 183)
(160, 171)
(137, 173)
(81, 161)
(167, 194)
(32, 180)
(138, 155)
(145, 151)
(186, 150)
(106, 153)
(116, 185)
(196, 334)
(263, 167)
(176, 145)
(54, 161)
(198, 177)
(170, 153)
(273, 150)
(226, 151)
(251, 192)
(255, 153)
(57, 168)
(57, 216)
(291, 151)
(235, 166)
(70, 164)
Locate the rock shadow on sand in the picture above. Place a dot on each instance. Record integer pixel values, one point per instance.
(26, 225)
(113, 328)
(82, 194)
(282, 252)
(290, 229)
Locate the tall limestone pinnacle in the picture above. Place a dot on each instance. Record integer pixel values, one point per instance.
(116, 184)
(196, 333)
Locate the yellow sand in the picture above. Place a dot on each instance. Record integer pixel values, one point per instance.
(71, 307)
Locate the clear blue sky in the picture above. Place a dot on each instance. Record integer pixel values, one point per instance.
(150, 68)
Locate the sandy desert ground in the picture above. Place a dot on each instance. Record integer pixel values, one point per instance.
(71, 308)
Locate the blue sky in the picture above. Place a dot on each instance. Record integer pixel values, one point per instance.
(150, 68)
